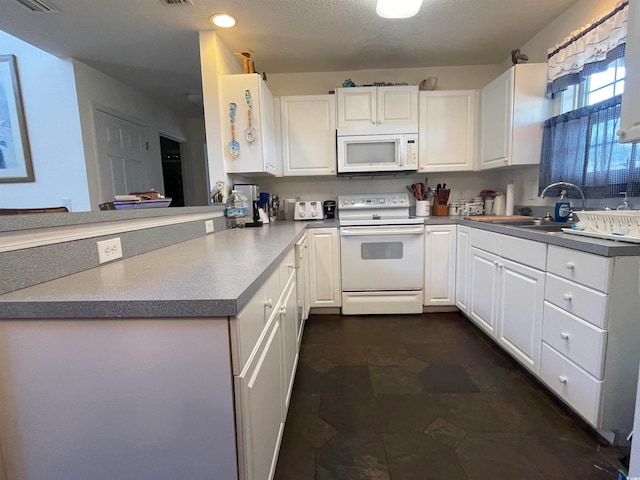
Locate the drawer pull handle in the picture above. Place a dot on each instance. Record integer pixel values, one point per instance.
(268, 303)
(567, 297)
(291, 265)
(562, 379)
(428, 231)
(283, 310)
(564, 335)
(495, 262)
(570, 265)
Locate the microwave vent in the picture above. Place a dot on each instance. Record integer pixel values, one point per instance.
(39, 6)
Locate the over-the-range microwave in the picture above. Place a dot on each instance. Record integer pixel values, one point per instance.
(396, 152)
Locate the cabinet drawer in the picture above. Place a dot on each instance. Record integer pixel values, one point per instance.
(484, 240)
(581, 301)
(575, 386)
(591, 270)
(527, 252)
(577, 340)
(246, 327)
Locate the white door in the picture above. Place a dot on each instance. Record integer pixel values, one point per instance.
(308, 135)
(447, 131)
(288, 319)
(462, 268)
(440, 265)
(324, 267)
(356, 107)
(260, 405)
(630, 115)
(124, 163)
(483, 288)
(520, 312)
(496, 121)
(398, 106)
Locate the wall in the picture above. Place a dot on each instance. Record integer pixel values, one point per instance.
(97, 89)
(215, 60)
(55, 137)
(449, 78)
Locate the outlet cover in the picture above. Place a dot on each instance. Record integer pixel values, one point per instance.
(208, 225)
(109, 250)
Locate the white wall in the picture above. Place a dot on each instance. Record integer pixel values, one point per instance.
(215, 60)
(449, 78)
(53, 125)
(97, 89)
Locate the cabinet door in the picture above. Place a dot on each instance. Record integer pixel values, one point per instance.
(397, 106)
(483, 286)
(630, 116)
(302, 284)
(440, 265)
(496, 120)
(357, 107)
(462, 268)
(308, 135)
(447, 131)
(520, 312)
(259, 402)
(289, 322)
(324, 267)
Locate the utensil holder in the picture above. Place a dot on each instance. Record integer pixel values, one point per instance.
(440, 210)
(423, 208)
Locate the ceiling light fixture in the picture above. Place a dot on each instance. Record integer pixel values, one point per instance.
(223, 20)
(398, 8)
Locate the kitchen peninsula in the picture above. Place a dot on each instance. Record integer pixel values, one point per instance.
(136, 367)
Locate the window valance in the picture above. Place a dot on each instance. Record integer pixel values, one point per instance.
(588, 50)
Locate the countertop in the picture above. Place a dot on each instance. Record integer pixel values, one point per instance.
(210, 276)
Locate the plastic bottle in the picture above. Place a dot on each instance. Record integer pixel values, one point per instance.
(236, 210)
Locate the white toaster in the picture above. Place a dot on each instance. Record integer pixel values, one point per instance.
(308, 210)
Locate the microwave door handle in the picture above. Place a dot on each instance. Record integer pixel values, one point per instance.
(346, 232)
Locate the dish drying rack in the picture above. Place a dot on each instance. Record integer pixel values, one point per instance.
(622, 225)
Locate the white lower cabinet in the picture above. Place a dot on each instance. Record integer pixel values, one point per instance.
(463, 269)
(440, 265)
(264, 385)
(259, 406)
(507, 296)
(324, 267)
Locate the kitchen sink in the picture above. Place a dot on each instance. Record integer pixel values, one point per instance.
(546, 227)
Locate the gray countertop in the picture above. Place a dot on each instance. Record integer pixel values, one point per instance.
(210, 276)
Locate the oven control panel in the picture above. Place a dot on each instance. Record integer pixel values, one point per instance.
(374, 201)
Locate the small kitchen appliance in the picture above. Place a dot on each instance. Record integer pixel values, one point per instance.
(252, 194)
(308, 210)
(329, 207)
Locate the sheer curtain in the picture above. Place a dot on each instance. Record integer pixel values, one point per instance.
(581, 147)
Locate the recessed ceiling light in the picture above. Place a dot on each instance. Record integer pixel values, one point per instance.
(398, 8)
(223, 20)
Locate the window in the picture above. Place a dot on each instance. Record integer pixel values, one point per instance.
(600, 86)
(581, 145)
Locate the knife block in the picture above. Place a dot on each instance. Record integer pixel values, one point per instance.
(440, 210)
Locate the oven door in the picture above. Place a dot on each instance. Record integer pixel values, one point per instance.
(382, 258)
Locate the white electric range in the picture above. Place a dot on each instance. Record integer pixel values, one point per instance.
(382, 255)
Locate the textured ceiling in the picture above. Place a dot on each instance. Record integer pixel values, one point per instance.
(154, 47)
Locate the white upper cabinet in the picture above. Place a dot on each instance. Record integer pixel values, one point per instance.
(259, 155)
(447, 131)
(367, 110)
(630, 116)
(512, 110)
(308, 135)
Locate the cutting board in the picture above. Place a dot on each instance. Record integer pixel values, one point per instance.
(499, 218)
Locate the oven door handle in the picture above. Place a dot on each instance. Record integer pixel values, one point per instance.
(367, 231)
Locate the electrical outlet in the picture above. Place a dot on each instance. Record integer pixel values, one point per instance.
(109, 250)
(208, 225)
(66, 202)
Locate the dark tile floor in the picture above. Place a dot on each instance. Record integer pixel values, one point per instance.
(426, 397)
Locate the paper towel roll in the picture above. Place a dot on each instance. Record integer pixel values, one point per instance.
(510, 198)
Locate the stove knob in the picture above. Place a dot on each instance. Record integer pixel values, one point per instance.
(302, 214)
(353, 202)
(402, 200)
(314, 214)
(395, 200)
(382, 200)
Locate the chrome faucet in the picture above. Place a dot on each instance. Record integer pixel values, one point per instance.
(566, 184)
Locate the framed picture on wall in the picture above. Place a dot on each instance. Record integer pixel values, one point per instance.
(15, 155)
